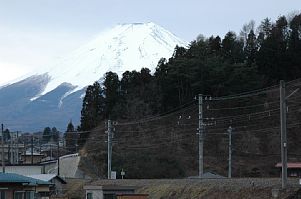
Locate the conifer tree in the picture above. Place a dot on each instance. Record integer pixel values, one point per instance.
(93, 107)
(251, 48)
(6, 135)
(111, 91)
(70, 127)
(46, 134)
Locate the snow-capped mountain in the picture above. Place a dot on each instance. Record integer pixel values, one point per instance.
(52, 95)
(125, 47)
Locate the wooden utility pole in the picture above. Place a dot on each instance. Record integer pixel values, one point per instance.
(283, 134)
(17, 152)
(58, 158)
(230, 153)
(31, 149)
(109, 148)
(11, 147)
(2, 143)
(201, 136)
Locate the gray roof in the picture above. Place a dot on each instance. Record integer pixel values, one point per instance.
(47, 177)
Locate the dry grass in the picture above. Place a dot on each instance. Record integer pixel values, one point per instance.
(238, 188)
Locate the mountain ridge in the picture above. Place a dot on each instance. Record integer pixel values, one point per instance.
(123, 48)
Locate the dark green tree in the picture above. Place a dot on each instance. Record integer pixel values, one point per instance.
(251, 48)
(46, 134)
(112, 94)
(71, 138)
(272, 55)
(214, 45)
(6, 135)
(54, 134)
(294, 48)
(70, 127)
(92, 112)
(232, 48)
(266, 28)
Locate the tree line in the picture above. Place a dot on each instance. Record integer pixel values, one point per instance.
(254, 58)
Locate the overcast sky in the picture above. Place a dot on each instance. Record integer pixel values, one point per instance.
(33, 32)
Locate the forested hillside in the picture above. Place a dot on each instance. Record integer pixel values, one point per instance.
(166, 144)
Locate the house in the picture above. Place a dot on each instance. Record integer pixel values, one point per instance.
(68, 167)
(31, 158)
(293, 168)
(57, 181)
(12, 153)
(108, 191)
(15, 186)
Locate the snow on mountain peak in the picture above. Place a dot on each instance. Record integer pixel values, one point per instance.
(124, 47)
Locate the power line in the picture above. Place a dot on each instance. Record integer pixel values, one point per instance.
(155, 117)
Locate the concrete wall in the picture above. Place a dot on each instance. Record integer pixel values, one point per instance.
(50, 168)
(69, 166)
(24, 170)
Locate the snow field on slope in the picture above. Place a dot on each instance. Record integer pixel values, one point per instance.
(125, 47)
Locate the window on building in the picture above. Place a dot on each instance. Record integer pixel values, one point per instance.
(89, 196)
(29, 195)
(18, 194)
(110, 196)
(2, 195)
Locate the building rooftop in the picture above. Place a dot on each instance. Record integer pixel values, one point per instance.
(16, 178)
(290, 165)
(28, 153)
(47, 177)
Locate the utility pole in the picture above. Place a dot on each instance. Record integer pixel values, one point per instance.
(25, 141)
(109, 148)
(31, 149)
(40, 147)
(58, 158)
(11, 149)
(230, 152)
(201, 136)
(17, 152)
(50, 145)
(2, 142)
(283, 134)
